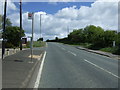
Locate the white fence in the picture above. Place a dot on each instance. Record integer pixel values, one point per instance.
(9, 51)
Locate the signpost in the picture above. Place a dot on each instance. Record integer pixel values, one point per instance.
(31, 17)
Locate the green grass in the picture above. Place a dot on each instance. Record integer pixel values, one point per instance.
(36, 44)
(107, 49)
(110, 49)
(114, 50)
(39, 44)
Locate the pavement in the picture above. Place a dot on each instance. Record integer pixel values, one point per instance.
(68, 67)
(17, 69)
(100, 52)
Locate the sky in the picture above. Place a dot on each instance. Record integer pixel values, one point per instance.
(59, 16)
(50, 8)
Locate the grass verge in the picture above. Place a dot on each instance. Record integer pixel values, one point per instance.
(35, 44)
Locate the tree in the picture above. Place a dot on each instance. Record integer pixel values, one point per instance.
(12, 35)
(56, 39)
(0, 21)
(109, 37)
(8, 22)
(77, 36)
(94, 35)
(40, 39)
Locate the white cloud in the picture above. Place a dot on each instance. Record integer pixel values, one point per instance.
(104, 14)
(10, 7)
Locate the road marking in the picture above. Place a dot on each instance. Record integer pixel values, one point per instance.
(72, 53)
(62, 48)
(102, 68)
(40, 72)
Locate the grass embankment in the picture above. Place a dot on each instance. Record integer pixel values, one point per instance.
(36, 44)
(113, 50)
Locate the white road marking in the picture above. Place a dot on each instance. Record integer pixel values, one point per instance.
(72, 53)
(102, 68)
(40, 72)
(63, 48)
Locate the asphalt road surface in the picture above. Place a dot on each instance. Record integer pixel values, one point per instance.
(68, 67)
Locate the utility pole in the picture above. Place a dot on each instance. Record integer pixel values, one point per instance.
(4, 23)
(40, 25)
(20, 24)
(68, 29)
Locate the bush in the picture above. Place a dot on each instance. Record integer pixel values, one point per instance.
(9, 45)
(114, 50)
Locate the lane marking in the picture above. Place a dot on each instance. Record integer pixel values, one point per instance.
(40, 72)
(72, 53)
(102, 68)
(62, 48)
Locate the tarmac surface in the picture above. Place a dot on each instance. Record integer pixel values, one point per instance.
(17, 69)
(68, 67)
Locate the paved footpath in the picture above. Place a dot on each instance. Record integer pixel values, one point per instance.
(17, 69)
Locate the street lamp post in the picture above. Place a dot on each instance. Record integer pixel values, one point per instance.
(3, 42)
(40, 25)
(68, 29)
(20, 24)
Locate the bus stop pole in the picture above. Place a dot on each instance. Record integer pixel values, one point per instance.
(32, 37)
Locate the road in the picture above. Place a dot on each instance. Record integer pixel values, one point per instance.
(68, 67)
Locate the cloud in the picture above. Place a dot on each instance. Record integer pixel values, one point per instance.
(10, 7)
(104, 14)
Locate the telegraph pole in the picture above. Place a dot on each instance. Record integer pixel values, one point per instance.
(68, 29)
(40, 25)
(4, 23)
(20, 24)
(67, 33)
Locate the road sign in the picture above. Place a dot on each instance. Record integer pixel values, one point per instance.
(24, 40)
(30, 15)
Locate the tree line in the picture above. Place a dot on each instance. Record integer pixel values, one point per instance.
(93, 37)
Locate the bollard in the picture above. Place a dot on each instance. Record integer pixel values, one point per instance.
(7, 51)
(14, 50)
